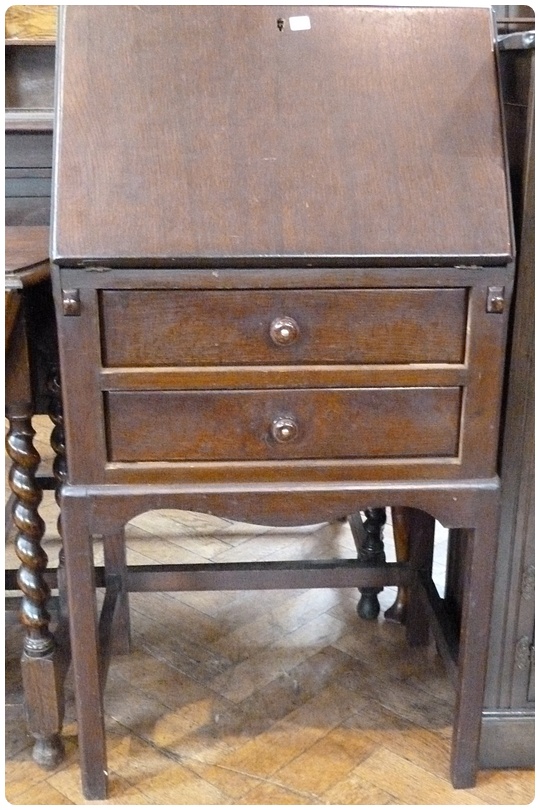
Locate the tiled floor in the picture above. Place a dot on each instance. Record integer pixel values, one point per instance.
(272, 697)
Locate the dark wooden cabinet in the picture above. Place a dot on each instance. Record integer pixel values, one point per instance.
(283, 245)
(242, 294)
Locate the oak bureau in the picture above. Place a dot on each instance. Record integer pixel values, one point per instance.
(283, 267)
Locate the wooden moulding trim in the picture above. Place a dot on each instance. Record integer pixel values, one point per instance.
(149, 378)
(250, 277)
(387, 489)
(288, 260)
(459, 504)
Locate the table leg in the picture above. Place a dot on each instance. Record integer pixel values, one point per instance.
(481, 550)
(85, 647)
(420, 532)
(58, 444)
(368, 539)
(42, 685)
(398, 611)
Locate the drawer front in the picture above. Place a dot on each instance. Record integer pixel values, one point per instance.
(281, 327)
(302, 424)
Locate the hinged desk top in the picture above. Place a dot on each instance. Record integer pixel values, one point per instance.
(188, 135)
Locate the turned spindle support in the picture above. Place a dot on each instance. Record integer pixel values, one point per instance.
(39, 670)
(58, 444)
(368, 539)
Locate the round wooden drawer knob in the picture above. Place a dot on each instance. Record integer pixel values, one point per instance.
(284, 429)
(284, 331)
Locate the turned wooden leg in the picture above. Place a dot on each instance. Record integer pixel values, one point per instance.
(58, 444)
(368, 539)
(398, 611)
(41, 677)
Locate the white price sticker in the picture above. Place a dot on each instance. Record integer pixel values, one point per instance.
(299, 23)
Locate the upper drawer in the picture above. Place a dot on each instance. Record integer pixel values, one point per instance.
(279, 327)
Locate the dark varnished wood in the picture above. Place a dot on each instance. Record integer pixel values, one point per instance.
(341, 423)
(508, 723)
(319, 176)
(184, 328)
(402, 533)
(29, 533)
(43, 659)
(29, 94)
(368, 539)
(480, 403)
(275, 141)
(26, 255)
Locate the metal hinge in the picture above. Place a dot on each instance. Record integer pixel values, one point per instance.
(495, 300)
(524, 655)
(71, 302)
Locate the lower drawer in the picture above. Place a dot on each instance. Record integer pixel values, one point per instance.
(299, 424)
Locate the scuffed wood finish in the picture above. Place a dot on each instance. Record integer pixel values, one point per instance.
(30, 529)
(272, 145)
(478, 377)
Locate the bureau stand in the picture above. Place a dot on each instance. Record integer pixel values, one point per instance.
(283, 264)
(87, 512)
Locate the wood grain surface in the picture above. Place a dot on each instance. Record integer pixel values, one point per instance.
(25, 246)
(206, 133)
(182, 328)
(236, 425)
